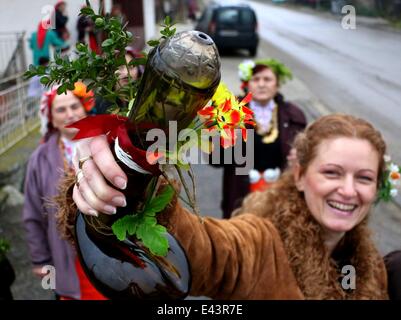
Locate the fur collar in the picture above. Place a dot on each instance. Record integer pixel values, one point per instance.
(319, 275)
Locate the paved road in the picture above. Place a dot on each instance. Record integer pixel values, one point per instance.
(355, 71)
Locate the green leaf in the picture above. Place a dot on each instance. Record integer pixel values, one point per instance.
(159, 202)
(81, 47)
(70, 86)
(153, 43)
(107, 43)
(41, 70)
(154, 237)
(28, 74)
(62, 89)
(99, 22)
(138, 61)
(120, 227)
(87, 11)
(44, 80)
(167, 20)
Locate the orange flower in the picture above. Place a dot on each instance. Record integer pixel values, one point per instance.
(395, 175)
(86, 97)
(80, 89)
(227, 117)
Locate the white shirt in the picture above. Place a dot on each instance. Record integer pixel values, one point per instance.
(263, 114)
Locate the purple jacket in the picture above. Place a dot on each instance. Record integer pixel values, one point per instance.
(45, 168)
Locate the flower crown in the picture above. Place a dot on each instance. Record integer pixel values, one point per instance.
(80, 91)
(390, 180)
(245, 69)
(86, 97)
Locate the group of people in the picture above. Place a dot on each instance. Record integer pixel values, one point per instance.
(289, 227)
(53, 33)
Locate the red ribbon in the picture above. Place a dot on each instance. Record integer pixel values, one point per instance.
(114, 126)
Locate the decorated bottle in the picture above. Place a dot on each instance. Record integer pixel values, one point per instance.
(181, 75)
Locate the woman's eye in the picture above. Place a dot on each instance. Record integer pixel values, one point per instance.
(331, 173)
(366, 179)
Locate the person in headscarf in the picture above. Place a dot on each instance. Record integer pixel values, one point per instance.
(42, 39)
(51, 161)
(277, 123)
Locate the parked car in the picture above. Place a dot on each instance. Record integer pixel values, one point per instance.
(231, 26)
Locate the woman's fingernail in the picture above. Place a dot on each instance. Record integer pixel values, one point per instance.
(119, 201)
(110, 209)
(120, 182)
(93, 213)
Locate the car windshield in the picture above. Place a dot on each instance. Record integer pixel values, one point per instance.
(235, 17)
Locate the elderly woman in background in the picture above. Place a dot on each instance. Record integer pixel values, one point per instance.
(277, 123)
(51, 161)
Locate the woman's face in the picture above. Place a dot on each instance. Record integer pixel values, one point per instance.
(340, 183)
(66, 109)
(122, 72)
(263, 86)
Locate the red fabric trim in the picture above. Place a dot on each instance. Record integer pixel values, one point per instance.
(88, 291)
(93, 44)
(261, 185)
(41, 34)
(115, 126)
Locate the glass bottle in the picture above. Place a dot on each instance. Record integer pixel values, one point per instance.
(180, 77)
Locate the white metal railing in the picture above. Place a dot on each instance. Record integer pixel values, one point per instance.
(12, 53)
(18, 114)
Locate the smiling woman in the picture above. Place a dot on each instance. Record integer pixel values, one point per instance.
(339, 177)
(293, 240)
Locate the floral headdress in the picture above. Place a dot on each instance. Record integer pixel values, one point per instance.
(80, 91)
(390, 181)
(245, 70)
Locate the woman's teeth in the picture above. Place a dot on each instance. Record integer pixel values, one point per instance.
(342, 206)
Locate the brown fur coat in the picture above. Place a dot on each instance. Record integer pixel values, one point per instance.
(318, 275)
(275, 252)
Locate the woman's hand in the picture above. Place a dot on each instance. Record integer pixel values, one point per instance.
(92, 193)
(38, 271)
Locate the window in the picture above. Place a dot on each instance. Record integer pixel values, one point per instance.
(228, 16)
(247, 18)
